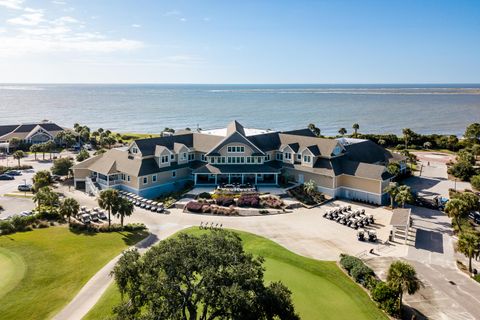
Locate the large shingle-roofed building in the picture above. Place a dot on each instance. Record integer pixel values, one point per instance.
(348, 168)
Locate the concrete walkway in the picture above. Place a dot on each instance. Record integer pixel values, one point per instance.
(96, 286)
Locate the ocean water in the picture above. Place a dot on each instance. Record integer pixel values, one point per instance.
(150, 108)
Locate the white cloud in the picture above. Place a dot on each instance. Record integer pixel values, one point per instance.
(59, 2)
(14, 46)
(183, 19)
(32, 10)
(64, 20)
(136, 25)
(27, 19)
(172, 13)
(11, 4)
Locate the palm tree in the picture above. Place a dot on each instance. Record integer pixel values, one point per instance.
(19, 154)
(402, 278)
(108, 200)
(468, 243)
(407, 134)
(314, 129)
(342, 131)
(15, 142)
(393, 168)
(310, 187)
(355, 127)
(45, 196)
(34, 148)
(382, 142)
(392, 190)
(124, 209)
(69, 207)
(456, 208)
(50, 147)
(404, 195)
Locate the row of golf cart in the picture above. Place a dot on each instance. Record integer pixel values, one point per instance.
(351, 218)
(87, 216)
(142, 202)
(364, 235)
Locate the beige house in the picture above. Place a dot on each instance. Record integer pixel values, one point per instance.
(345, 168)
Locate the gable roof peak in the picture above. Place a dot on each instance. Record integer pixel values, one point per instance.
(235, 126)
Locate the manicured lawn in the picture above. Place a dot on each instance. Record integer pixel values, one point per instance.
(42, 270)
(320, 289)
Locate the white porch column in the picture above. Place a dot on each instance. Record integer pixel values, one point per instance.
(195, 179)
(256, 178)
(229, 178)
(276, 178)
(243, 178)
(108, 180)
(216, 179)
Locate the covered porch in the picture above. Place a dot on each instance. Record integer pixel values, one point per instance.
(236, 175)
(106, 180)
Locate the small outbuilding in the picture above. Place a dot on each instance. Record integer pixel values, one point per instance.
(400, 223)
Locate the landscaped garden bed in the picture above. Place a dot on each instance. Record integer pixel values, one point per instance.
(307, 194)
(235, 203)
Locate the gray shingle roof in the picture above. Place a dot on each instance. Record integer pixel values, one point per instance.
(235, 137)
(147, 146)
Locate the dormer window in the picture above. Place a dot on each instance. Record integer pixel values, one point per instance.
(279, 156)
(164, 159)
(307, 159)
(135, 150)
(172, 156)
(288, 156)
(184, 156)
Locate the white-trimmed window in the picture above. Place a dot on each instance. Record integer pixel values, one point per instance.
(279, 156)
(164, 159)
(154, 178)
(299, 156)
(191, 156)
(267, 158)
(135, 150)
(184, 156)
(287, 156)
(145, 180)
(203, 157)
(307, 159)
(172, 157)
(128, 178)
(174, 174)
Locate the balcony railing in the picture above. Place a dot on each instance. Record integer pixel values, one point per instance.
(109, 183)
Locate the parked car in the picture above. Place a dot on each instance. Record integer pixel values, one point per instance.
(6, 177)
(102, 215)
(13, 173)
(85, 218)
(26, 213)
(56, 178)
(25, 187)
(475, 217)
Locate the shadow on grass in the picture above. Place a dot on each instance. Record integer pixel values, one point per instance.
(132, 238)
(84, 232)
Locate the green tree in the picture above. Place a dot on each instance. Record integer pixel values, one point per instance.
(83, 155)
(404, 195)
(472, 133)
(316, 131)
(462, 170)
(382, 142)
(466, 156)
(69, 207)
(468, 244)
(14, 143)
(46, 197)
(402, 278)
(392, 190)
(108, 200)
(456, 209)
(18, 155)
(310, 187)
(66, 138)
(355, 128)
(342, 131)
(427, 145)
(124, 208)
(41, 179)
(50, 147)
(475, 181)
(199, 277)
(62, 166)
(407, 134)
(393, 168)
(35, 149)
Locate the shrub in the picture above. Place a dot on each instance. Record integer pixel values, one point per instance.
(4, 169)
(360, 272)
(19, 223)
(249, 200)
(462, 170)
(475, 181)
(204, 195)
(349, 262)
(6, 227)
(194, 206)
(48, 213)
(43, 225)
(83, 155)
(225, 201)
(386, 298)
(477, 277)
(271, 202)
(134, 227)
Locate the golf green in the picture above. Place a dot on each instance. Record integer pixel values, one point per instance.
(320, 290)
(42, 270)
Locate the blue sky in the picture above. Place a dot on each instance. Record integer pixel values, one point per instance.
(244, 41)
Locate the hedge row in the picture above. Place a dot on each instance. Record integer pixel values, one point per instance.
(381, 293)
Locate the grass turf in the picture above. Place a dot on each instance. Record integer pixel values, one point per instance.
(57, 263)
(320, 290)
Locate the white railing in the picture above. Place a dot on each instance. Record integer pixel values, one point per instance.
(108, 183)
(90, 186)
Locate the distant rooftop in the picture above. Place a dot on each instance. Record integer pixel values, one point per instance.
(222, 132)
(349, 141)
